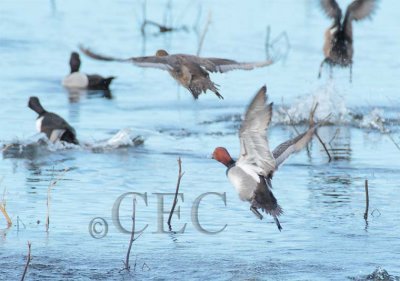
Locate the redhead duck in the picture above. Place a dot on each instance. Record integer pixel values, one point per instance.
(192, 72)
(78, 79)
(338, 46)
(55, 127)
(251, 174)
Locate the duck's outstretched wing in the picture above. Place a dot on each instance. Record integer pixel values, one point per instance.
(331, 9)
(225, 65)
(287, 148)
(361, 9)
(149, 61)
(358, 10)
(255, 155)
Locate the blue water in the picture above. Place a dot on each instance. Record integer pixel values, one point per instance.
(324, 234)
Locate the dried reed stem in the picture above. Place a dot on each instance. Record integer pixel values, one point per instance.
(366, 200)
(291, 121)
(392, 139)
(28, 260)
(203, 35)
(7, 217)
(324, 146)
(128, 253)
(3, 208)
(48, 202)
(180, 175)
(312, 123)
(267, 45)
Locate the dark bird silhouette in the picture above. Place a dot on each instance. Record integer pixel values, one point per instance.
(338, 46)
(55, 127)
(78, 79)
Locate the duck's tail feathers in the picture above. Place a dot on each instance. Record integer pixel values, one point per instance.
(214, 88)
(107, 81)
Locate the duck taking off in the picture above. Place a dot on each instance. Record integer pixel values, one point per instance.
(81, 80)
(251, 174)
(55, 127)
(192, 72)
(338, 46)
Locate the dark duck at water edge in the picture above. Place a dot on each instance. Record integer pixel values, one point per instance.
(192, 72)
(55, 127)
(251, 174)
(77, 79)
(338, 46)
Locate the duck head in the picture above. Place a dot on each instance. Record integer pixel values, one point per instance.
(161, 53)
(35, 105)
(74, 62)
(222, 155)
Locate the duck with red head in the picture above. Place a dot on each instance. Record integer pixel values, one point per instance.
(222, 155)
(252, 173)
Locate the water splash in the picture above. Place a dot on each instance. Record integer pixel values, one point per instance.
(329, 102)
(374, 120)
(123, 138)
(40, 145)
(379, 274)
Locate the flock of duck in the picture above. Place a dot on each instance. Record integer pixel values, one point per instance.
(251, 174)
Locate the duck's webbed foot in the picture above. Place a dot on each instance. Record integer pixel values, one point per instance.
(256, 212)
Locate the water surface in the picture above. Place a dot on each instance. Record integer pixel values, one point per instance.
(324, 234)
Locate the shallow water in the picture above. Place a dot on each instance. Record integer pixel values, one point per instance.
(324, 234)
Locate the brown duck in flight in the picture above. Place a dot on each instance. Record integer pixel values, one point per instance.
(192, 72)
(338, 46)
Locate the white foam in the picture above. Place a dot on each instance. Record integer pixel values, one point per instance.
(329, 102)
(374, 120)
(123, 138)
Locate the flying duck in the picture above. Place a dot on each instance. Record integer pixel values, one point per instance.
(55, 127)
(192, 72)
(338, 46)
(78, 79)
(251, 174)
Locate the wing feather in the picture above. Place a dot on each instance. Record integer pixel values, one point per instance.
(148, 61)
(287, 148)
(254, 148)
(358, 10)
(224, 65)
(331, 9)
(361, 9)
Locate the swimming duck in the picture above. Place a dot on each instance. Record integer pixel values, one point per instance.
(55, 127)
(251, 174)
(338, 46)
(192, 72)
(78, 79)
